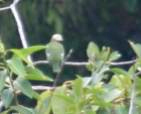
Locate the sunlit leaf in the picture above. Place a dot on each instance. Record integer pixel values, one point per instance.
(138, 84)
(59, 100)
(119, 71)
(36, 74)
(86, 81)
(136, 47)
(98, 76)
(78, 88)
(105, 53)
(114, 56)
(121, 81)
(92, 51)
(24, 53)
(44, 103)
(112, 94)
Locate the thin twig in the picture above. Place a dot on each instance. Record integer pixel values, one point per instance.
(20, 26)
(19, 23)
(62, 67)
(4, 8)
(42, 88)
(14, 90)
(132, 101)
(68, 63)
(72, 63)
(133, 94)
(122, 63)
(39, 88)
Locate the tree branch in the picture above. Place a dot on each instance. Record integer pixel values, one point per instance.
(133, 94)
(15, 2)
(42, 88)
(5, 8)
(72, 63)
(13, 8)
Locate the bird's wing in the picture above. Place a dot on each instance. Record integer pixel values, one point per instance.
(55, 51)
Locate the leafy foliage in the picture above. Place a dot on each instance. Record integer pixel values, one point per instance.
(83, 95)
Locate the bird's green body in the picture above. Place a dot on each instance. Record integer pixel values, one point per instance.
(55, 55)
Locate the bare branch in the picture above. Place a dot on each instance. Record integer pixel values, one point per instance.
(121, 63)
(20, 26)
(38, 88)
(42, 88)
(133, 94)
(15, 2)
(5, 8)
(72, 63)
(69, 63)
(19, 23)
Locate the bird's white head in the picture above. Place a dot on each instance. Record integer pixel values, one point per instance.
(57, 37)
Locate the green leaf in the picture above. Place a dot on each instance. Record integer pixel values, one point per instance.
(112, 94)
(44, 103)
(16, 66)
(78, 88)
(36, 74)
(7, 97)
(105, 53)
(92, 51)
(138, 101)
(137, 48)
(132, 69)
(98, 76)
(25, 87)
(3, 75)
(2, 48)
(23, 110)
(5, 112)
(86, 81)
(24, 53)
(121, 81)
(114, 56)
(59, 100)
(119, 71)
(121, 109)
(138, 84)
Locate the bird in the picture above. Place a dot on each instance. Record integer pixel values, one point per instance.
(55, 52)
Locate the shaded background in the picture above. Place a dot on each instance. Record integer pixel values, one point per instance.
(107, 22)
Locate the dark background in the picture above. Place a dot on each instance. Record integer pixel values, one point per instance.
(107, 22)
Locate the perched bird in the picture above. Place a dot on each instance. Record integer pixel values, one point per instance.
(55, 52)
